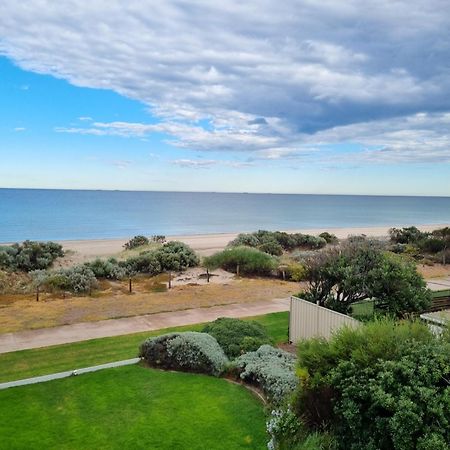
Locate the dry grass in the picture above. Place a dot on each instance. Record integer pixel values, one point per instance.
(434, 271)
(22, 312)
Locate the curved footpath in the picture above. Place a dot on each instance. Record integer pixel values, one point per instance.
(44, 337)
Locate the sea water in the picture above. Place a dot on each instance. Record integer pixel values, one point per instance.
(82, 214)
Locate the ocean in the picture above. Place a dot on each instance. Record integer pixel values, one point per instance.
(40, 214)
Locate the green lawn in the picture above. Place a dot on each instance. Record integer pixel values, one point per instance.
(42, 361)
(132, 408)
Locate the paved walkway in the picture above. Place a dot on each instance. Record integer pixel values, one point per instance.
(67, 373)
(44, 337)
(439, 284)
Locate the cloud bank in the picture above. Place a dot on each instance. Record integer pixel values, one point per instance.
(274, 79)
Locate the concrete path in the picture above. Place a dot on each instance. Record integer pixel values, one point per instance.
(439, 284)
(45, 337)
(67, 373)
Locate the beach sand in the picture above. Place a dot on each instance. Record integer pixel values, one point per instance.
(207, 244)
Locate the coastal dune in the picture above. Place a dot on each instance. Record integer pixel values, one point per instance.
(207, 244)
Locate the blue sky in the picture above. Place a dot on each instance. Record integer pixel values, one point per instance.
(252, 97)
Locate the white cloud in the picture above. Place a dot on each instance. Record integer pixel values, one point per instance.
(207, 163)
(274, 79)
(18, 129)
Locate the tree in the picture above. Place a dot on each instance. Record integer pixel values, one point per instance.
(356, 271)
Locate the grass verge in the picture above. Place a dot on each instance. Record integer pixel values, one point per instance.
(43, 361)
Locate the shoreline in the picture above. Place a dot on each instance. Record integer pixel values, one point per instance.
(207, 244)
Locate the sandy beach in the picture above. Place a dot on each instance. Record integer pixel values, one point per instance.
(207, 244)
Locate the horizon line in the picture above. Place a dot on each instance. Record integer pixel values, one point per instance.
(221, 192)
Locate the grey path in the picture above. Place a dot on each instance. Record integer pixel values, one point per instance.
(67, 373)
(44, 337)
(439, 284)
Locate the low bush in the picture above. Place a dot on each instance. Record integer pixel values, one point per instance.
(146, 262)
(296, 271)
(176, 256)
(329, 238)
(237, 336)
(287, 432)
(407, 235)
(382, 386)
(308, 241)
(135, 242)
(189, 352)
(270, 368)
(29, 255)
(274, 242)
(77, 279)
(108, 268)
(159, 238)
(249, 261)
(272, 247)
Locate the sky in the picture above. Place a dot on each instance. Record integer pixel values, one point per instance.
(338, 97)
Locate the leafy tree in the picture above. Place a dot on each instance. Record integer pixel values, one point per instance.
(357, 271)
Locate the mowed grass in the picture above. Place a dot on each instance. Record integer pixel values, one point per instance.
(43, 361)
(132, 408)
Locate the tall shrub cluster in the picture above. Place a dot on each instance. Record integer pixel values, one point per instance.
(412, 241)
(83, 278)
(275, 242)
(383, 386)
(30, 255)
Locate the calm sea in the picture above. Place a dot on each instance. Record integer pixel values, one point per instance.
(64, 214)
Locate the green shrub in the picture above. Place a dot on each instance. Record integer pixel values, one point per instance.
(274, 242)
(159, 238)
(187, 351)
(382, 386)
(237, 336)
(77, 279)
(249, 240)
(176, 256)
(108, 268)
(407, 235)
(29, 255)
(146, 262)
(270, 368)
(135, 242)
(250, 261)
(432, 245)
(296, 271)
(272, 247)
(329, 238)
(307, 241)
(287, 432)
